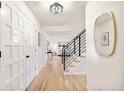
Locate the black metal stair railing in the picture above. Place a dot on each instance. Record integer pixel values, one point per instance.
(74, 49)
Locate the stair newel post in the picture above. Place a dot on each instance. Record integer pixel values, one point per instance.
(79, 46)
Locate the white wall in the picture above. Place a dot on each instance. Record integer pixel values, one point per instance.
(44, 40)
(105, 73)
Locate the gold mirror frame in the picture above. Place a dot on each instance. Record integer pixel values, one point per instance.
(105, 34)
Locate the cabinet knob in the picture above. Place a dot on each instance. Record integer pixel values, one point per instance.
(27, 56)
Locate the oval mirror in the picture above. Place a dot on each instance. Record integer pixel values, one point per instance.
(104, 34)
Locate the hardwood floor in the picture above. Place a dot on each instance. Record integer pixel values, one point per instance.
(52, 78)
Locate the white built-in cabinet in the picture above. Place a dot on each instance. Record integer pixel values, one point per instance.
(18, 43)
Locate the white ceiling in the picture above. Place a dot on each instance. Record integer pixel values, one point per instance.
(74, 16)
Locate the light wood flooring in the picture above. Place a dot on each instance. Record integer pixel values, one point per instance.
(52, 78)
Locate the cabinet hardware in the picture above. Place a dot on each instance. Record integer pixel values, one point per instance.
(0, 54)
(0, 4)
(27, 56)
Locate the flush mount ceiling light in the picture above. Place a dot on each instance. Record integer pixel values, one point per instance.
(56, 8)
(67, 5)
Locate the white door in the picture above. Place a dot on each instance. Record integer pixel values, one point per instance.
(0, 47)
(18, 46)
(13, 48)
(6, 47)
(30, 52)
(21, 52)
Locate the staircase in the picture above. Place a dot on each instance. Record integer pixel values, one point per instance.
(74, 50)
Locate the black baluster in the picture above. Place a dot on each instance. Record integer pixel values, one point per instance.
(64, 59)
(79, 46)
(74, 46)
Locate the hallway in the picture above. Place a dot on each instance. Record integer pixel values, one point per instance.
(52, 78)
(64, 46)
